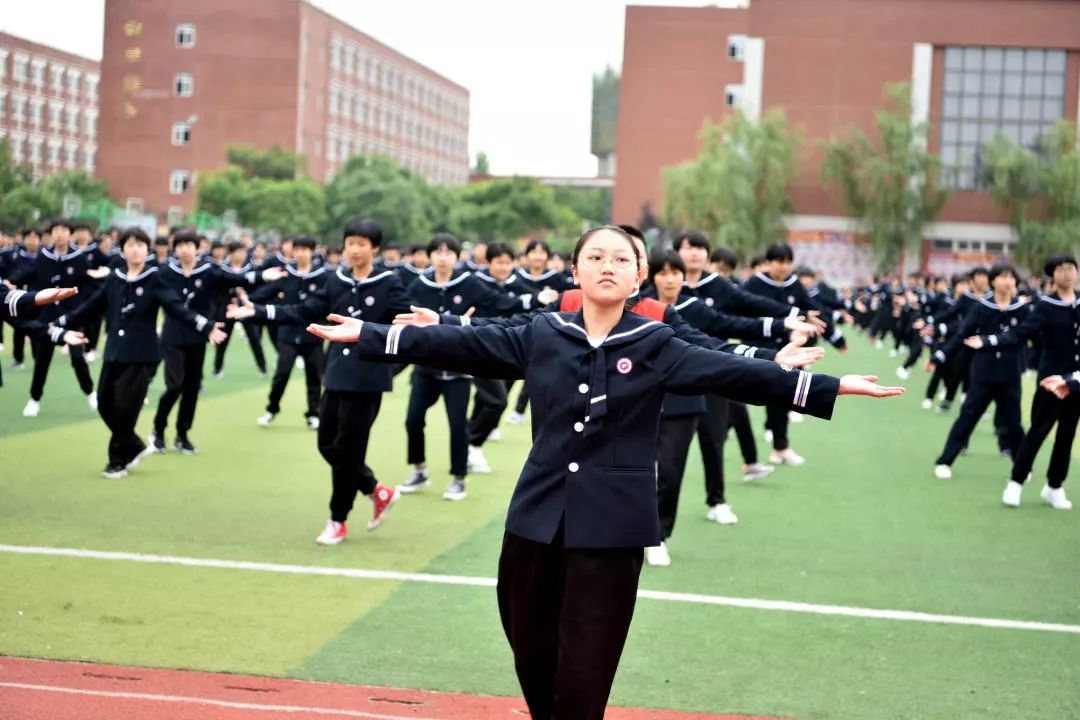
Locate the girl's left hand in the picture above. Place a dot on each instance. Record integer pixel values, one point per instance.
(866, 385)
(347, 329)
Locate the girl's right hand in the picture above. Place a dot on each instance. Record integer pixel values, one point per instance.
(347, 329)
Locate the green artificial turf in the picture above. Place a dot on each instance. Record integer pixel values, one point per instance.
(863, 523)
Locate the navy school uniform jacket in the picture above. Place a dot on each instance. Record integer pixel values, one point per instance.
(793, 295)
(994, 362)
(1058, 324)
(407, 273)
(717, 292)
(131, 310)
(296, 287)
(376, 298)
(596, 411)
(50, 269)
(201, 292)
(550, 279)
(17, 307)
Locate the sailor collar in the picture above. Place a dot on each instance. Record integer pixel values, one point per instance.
(175, 266)
(993, 306)
(704, 280)
(1055, 299)
(629, 328)
(315, 272)
(370, 279)
(765, 278)
(145, 273)
(526, 275)
(69, 255)
(430, 281)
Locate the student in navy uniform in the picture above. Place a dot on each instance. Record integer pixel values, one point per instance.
(237, 264)
(302, 280)
(130, 299)
(995, 371)
(18, 306)
(1055, 318)
(418, 263)
(354, 386)
(585, 503)
(60, 266)
(20, 263)
(201, 285)
(447, 291)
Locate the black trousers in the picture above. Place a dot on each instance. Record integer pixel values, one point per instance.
(939, 375)
(522, 403)
(1006, 398)
(183, 379)
(566, 614)
(712, 430)
(739, 419)
(776, 419)
(489, 402)
(43, 356)
(672, 447)
(121, 390)
(93, 332)
(254, 338)
(18, 345)
(959, 373)
(1046, 410)
(345, 420)
(313, 363)
(426, 389)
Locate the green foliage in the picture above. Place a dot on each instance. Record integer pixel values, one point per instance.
(482, 166)
(24, 201)
(290, 206)
(592, 205)
(505, 209)
(374, 186)
(605, 111)
(889, 186)
(275, 163)
(736, 189)
(1039, 190)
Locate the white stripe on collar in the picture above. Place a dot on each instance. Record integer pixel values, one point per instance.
(609, 338)
(992, 305)
(449, 283)
(688, 301)
(174, 264)
(310, 274)
(765, 278)
(1059, 302)
(707, 279)
(70, 255)
(123, 275)
(526, 275)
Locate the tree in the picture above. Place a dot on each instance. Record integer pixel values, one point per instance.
(889, 186)
(24, 201)
(374, 186)
(505, 209)
(1039, 189)
(275, 163)
(482, 167)
(592, 205)
(736, 189)
(65, 183)
(289, 206)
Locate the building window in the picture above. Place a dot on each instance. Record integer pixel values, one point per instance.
(18, 68)
(54, 152)
(72, 119)
(184, 84)
(335, 102)
(35, 112)
(335, 54)
(92, 87)
(70, 151)
(18, 108)
(179, 182)
(56, 115)
(90, 116)
(17, 149)
(181, 133)
(3, 105)
(736, 47)
(74, 77)
(185, 35)
(35, 150)
(986, 90)
(37, 72)
(56, 77)
(3, 63)
(133, 205)
(347, 60)
(733, 95)
(346, 106)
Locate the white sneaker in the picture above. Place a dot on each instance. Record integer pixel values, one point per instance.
(146, 452)
(786, 457)
(515, 418)
(903, 373)
(332, 534)
(927, 404)
(456, 490)
(477, 463)
(942, 472)
(219, 375)
(878, 345)
(794, 417)
(892, 352)
(722, 514)
(756, 471)
(1011, 496)
(91, 356)
(313, 423)
(91, 400)
(657, 555)
(265, 419)
(300, 363)
(1055, 497)
(768, 436)
(495, 435)
(33, 407)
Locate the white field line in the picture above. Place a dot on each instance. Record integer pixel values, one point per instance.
(208, 701)
(748, 603)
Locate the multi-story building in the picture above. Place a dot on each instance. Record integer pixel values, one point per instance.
(183, 81)
(976, 67)
(48, 106)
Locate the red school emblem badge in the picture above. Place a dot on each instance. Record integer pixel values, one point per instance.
(624, 365)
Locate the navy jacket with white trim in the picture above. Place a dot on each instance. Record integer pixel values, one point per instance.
(596, 411)
(994, 362)
(202, 292)
(1057, 323)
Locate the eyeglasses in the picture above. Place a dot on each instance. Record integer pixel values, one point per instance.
(596, 260)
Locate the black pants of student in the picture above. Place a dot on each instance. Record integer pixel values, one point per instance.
(427, 387)
(313, 363)
(1046, 410)
(18, 345)
(254, 337)
(914, 351)
(489, 402)
(959, 373)
(345, 420)
(672, 447)
(1006, 398)
(93, 332)
(938, 377)
(712, 432)
(121, 390)
(566, 614)
(43, 356)
(183, 378)
(522, 402)
(776, 420)
(739, 419)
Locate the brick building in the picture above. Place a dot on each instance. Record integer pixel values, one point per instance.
(48, 106)
(182, 81)
(976, 67)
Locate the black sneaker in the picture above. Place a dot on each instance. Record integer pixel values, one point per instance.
(418, 481)
(114, 472)
(184, 445)
(157, 441)
(456, 491)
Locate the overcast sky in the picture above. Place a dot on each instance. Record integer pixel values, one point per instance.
(528, 65)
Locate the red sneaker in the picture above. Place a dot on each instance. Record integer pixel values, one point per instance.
(333, 533)
(381, 500)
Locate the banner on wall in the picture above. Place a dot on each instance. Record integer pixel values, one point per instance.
(844, 258)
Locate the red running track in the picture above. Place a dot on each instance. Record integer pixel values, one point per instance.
(40, 689)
